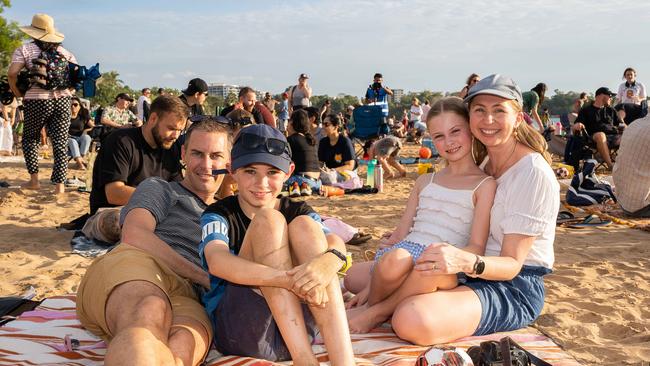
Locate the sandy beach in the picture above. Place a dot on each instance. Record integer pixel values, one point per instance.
(598, 298)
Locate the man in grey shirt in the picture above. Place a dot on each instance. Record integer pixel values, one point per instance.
(141, 297)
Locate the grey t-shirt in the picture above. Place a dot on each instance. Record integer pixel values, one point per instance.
(177, 212)
(387, 146)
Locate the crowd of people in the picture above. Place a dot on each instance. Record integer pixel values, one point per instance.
(211, 253)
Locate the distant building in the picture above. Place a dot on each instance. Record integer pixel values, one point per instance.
(222, 90)
(397, 96)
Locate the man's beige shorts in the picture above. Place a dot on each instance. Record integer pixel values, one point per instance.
(126, 263)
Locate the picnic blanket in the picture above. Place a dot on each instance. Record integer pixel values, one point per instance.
(52, 335)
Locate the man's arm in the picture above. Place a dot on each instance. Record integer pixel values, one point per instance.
(118, 193)
(388, 90)
(138, 231)
(106, 121)
(12, 77)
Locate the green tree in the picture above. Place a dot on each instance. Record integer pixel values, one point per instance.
(10, 37)
(109, 86)
(561, 102)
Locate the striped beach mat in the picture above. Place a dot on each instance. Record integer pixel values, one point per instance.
(52, 335)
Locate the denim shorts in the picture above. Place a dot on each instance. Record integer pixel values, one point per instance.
(313, 183)
(508, 305)
(414, 249)
(244, 326)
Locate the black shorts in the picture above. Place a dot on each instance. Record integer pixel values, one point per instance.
(244, 326)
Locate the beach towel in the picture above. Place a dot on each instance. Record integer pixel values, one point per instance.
(52, 335)
(88, 247)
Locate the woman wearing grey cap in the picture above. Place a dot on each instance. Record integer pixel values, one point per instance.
(503, 290)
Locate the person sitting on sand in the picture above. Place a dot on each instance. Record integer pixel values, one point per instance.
(78, 139)
(630, 172)
(119, 115)
(336, 151)
(265, 256)
(503, 290)
(142, 297)
(451, 206)
(386, 151)
(303, 154)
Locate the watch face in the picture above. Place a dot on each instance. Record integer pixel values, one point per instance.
(480, 267)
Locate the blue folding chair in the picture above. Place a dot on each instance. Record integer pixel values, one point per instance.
(367, 124)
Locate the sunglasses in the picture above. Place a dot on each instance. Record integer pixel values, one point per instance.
(75, 104)
(207, 118)
(273, 146)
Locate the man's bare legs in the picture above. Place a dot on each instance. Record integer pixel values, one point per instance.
(139, 315)
(267, 242)
(307, 242)
(601, 145)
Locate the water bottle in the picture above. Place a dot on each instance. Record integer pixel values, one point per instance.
(558, 128)
(379, 178)
(370, 175)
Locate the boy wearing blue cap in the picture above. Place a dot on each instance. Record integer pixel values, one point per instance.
(266, 256)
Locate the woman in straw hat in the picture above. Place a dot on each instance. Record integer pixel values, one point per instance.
(43, 106)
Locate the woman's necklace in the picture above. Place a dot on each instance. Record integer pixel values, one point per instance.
(497, 172)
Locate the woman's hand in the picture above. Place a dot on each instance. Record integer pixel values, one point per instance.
(387, 240)
(442, 258)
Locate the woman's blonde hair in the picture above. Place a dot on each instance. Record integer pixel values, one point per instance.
(416, 101)
(524, 134)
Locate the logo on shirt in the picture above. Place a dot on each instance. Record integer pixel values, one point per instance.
(214, 227)
(338, 158)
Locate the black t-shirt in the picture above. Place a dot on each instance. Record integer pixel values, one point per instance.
(599, 119)
(304, 156)
(77, 126)
(127, 157)
(335, 156)
(195, 110)
(230, 211)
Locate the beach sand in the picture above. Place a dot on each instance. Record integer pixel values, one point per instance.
(598, 298)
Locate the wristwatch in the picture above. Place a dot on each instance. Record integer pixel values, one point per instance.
(346, 258)
(479, 266)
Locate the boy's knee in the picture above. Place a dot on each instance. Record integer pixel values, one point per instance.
(269, 216)
(152, 310)
(303, 222)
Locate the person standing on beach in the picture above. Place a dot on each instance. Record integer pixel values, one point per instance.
(194, 96)
(46, 104)
(144, 105)
(143, 296)
(299, 94)
(377, 94)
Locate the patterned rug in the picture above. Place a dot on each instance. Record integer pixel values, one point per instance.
(52, 335)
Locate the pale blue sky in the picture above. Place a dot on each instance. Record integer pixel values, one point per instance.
(421, 44)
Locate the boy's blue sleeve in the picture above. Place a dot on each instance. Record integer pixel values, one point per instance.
(213, 227)
(316, 217)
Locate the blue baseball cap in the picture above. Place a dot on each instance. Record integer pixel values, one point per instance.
(496, 84)
(261, 144)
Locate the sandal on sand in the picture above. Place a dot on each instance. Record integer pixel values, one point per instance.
(359, 238)
(564, 217)
(590, 221)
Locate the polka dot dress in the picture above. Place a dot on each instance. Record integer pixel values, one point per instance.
(54, 114)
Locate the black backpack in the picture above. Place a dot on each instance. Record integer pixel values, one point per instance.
(56, 69)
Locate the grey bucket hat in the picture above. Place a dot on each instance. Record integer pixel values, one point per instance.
(496, 84)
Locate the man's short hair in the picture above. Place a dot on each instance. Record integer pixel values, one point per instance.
(245, 90)
(144, 90)
(165, 104)
(160, 90)
(378, 75)
(209, 125)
